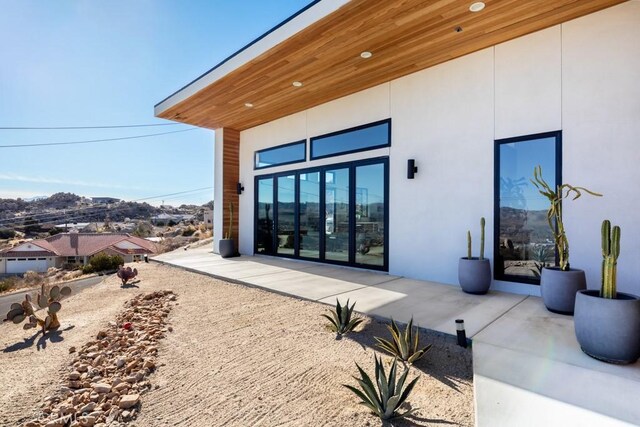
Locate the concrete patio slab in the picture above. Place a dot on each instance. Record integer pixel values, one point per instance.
(536, 351)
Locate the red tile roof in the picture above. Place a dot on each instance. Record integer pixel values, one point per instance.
(87, 244)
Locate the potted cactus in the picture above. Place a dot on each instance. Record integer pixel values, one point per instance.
(607, 322)
(227, 246)
(474, 273)
(558, 285)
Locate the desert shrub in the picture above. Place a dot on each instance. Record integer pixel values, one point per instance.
(55, 230)
(8, 283)
(72, 275)
(33, 278)
(102, 262)
(87, 269)
(188, 231)
(51, 271)
(7, 233)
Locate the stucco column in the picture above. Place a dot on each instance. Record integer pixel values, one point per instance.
(226, 170)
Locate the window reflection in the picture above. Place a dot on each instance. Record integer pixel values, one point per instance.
(525, 243)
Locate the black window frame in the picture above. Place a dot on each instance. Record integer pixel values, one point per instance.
(353, 129)
(304, 159)
(351, 165)
(498, 269)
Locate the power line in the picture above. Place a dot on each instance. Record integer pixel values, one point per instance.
(89, 127)
(95, 140)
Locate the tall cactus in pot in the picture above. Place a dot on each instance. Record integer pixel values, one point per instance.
(610, 254)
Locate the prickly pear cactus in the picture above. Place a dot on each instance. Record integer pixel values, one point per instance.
(126, 274)
(27, 310)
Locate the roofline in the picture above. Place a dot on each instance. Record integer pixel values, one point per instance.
(33, 242)
(331, 6)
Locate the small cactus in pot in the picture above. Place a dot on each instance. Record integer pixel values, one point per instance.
(27, 310)
(474, 274)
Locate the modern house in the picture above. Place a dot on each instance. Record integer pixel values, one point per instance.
(319, 118)
(375, 134)
(71, 249)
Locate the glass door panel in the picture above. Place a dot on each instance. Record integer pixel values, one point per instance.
(264, 217)
(286, 225)
(336, 224)
(309, 215)
(370, 215)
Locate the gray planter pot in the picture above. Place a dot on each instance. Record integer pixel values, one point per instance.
(558, 288)
(474, 275)
(227, 248)
(608, 329)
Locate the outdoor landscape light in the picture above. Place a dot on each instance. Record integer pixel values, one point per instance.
(476, 7)
(412, 169)
(297, 84)
(462, 335)
(239, 188)
(366, 54)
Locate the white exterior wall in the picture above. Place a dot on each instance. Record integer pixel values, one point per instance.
(580, 77)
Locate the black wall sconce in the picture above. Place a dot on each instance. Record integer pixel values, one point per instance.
(239, 188)
(412, 169)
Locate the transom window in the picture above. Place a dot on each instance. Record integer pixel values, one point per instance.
(523, 242)
(361, 138)
(281, 155)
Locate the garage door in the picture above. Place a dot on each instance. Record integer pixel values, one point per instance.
(22, 265)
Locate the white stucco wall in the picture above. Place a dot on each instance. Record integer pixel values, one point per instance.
(580, 77)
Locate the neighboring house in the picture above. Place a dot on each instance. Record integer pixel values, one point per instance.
(208, 218)
(164, 218)
(318, 118)
(71, 248)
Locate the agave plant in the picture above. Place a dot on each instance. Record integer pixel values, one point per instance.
(342, 320)
(404, 345)
(386, 396)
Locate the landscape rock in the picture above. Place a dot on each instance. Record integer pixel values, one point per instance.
(129, 400)
(101, 388)
(104, 380)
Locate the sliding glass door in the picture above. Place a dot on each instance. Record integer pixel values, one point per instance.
(336, 214)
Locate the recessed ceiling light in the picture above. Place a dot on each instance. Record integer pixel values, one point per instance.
(366, 54)
(297, 84)
(248, 105)
(476, 7)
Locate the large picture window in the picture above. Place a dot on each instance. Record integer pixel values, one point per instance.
(281, 155)
(361, 138)
(335, 213)
(523, 242)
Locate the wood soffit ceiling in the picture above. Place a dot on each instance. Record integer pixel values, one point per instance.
(404, 36)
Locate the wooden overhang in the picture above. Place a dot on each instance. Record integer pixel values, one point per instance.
(404, 36)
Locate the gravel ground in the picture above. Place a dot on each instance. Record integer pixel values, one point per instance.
(238, 356)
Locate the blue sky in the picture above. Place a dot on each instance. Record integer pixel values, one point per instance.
(92, 63)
